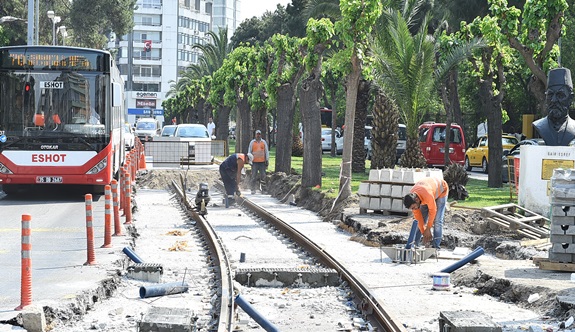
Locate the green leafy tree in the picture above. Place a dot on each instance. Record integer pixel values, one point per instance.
(91, 21)
(318, 39)
(13, 33)
(282, 71)
(356, 24)
(489, 71)
(534, 33)
(406, 65)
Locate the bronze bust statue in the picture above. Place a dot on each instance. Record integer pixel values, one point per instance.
(557, 128)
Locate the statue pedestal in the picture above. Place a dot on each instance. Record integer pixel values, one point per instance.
(535, 172)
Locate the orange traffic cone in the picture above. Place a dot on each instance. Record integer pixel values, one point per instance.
(142, 162)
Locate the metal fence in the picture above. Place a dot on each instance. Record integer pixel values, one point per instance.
(173, 152)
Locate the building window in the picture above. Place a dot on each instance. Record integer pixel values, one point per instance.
(156, 4)
(151, 87)
(146, 19)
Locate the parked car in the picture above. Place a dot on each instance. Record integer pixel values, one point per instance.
(401, 141)
(478, 153)
(432, 143)
(509, 157)
(168, 131)
(129, 137)
(192, 133)
(147, 128)
(326, 140)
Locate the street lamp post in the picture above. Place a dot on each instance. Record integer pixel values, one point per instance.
(64, 33)
(55, 19)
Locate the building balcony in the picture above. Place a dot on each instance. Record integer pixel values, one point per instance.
(147, 79)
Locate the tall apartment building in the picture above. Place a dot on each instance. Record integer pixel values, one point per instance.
(160, 47)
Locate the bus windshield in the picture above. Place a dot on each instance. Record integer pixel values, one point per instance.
(52, 103)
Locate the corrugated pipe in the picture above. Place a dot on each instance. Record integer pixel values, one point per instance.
(163, 289)
(473, 255)
(252, 312)
(130, 253)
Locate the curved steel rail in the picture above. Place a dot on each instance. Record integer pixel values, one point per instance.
(369, 304)
(226, 322)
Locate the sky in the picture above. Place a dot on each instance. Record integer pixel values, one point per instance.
(250, 8)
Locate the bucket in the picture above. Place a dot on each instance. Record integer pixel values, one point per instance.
(441, 281)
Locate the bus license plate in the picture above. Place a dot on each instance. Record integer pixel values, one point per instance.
(48, 179)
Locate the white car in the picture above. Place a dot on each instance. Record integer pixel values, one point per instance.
(326, 140)
(147, 128)
(129, 137)
(192, 133)
(168, 131)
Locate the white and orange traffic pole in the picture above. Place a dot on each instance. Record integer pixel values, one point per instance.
(26, 281)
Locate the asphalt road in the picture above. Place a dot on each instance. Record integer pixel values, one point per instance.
(475, 173)
(58, 239)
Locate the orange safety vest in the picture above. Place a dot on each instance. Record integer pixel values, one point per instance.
(259, 151)
(428, 190)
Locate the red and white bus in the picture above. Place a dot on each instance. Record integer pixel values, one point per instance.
(61, 117)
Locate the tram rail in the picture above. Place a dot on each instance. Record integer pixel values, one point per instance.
(365, 301)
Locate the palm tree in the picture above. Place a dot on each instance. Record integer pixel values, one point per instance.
(409, 73)
(211, 59)
(406, 65)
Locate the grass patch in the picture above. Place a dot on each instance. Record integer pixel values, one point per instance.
(482, 196)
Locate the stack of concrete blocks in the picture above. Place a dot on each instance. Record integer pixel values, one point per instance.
(385, 188)
(562, 199)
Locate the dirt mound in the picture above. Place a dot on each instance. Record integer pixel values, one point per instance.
(162, 178)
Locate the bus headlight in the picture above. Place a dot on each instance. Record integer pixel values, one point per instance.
(4, 169)
(99, 167)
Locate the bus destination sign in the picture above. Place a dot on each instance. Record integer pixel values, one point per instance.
(16, 59)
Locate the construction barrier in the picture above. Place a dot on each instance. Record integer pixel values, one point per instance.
(107, 217)
(116, 206)
(89, 231)
(128, 200)
(26, 281)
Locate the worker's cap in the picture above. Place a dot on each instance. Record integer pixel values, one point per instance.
(258, 131)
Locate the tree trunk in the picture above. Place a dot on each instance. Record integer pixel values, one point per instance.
(310, 93)
(286, 114)
(537, 88)
(384, 132)
(453, 92)
(491, 105)
(243, 126)
(358, 160)
(260, 122)
(222, 121)
(448, 116)
(350, 101)
(202, 113)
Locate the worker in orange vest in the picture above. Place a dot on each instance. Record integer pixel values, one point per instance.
(259, 149)
(427, 200)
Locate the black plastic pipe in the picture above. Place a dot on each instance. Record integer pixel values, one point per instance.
(253, 313)
(163, 289)
(130, 253)
(473, 255)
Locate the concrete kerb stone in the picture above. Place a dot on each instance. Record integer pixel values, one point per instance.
(33, 319)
